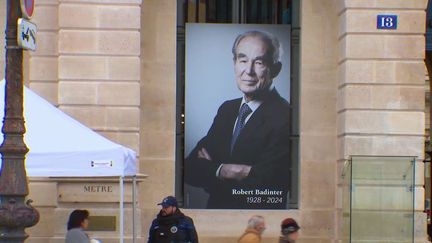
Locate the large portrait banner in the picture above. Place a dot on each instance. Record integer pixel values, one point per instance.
(237, 116)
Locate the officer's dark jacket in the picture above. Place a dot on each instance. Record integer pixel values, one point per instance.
(175, 228)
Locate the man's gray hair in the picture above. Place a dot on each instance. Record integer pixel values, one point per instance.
(274, 47)
(254, 221)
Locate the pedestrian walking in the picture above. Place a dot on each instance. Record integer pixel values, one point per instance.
(77, 223)
(254, 230)
(289, 231)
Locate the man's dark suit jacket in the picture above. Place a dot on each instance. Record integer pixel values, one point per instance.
(264, 144)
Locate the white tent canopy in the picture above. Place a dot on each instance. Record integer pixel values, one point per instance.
(62, 147)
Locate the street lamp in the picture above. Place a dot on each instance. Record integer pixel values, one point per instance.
(15, 213)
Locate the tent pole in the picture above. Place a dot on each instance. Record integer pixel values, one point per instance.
(121, 209)
(133, 208)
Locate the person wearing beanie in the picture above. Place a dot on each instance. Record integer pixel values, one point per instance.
(171, 225)
(289, 231)
(254, 230)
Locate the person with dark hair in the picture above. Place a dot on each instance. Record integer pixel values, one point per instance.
(171, 225)
(77, 223)
(289, 231)
(244, 160)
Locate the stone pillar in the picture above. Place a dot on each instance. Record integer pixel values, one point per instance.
(158, 103)
(99, 72)
(88, 64)
(318, 81)
(316, 213)
(41, 73)
(99, 66)
(2, 40)
(381, 86)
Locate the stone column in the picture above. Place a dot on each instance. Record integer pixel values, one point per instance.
(381, 86)
(158, 103)
(88, 64)
(42, 69)
(2, 40)
(99, 66)
(99, 76)
(318, 81)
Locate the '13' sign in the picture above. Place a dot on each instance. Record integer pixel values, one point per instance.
(387, 22)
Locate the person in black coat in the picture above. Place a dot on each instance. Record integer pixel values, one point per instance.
(171, 225)
(244, 160)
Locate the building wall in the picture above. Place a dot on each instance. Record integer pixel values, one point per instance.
(87, 63)
(111, 64)
(158, 104)
(87, 52)
(381, 87)
(99, 66)
(368, 99)
(318, 78)
(317, 212)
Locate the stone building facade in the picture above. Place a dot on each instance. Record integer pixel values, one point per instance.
(111, 64)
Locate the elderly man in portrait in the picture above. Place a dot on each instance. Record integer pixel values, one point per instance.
(244, 160)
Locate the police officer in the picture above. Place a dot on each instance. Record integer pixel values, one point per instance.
(171, 225)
